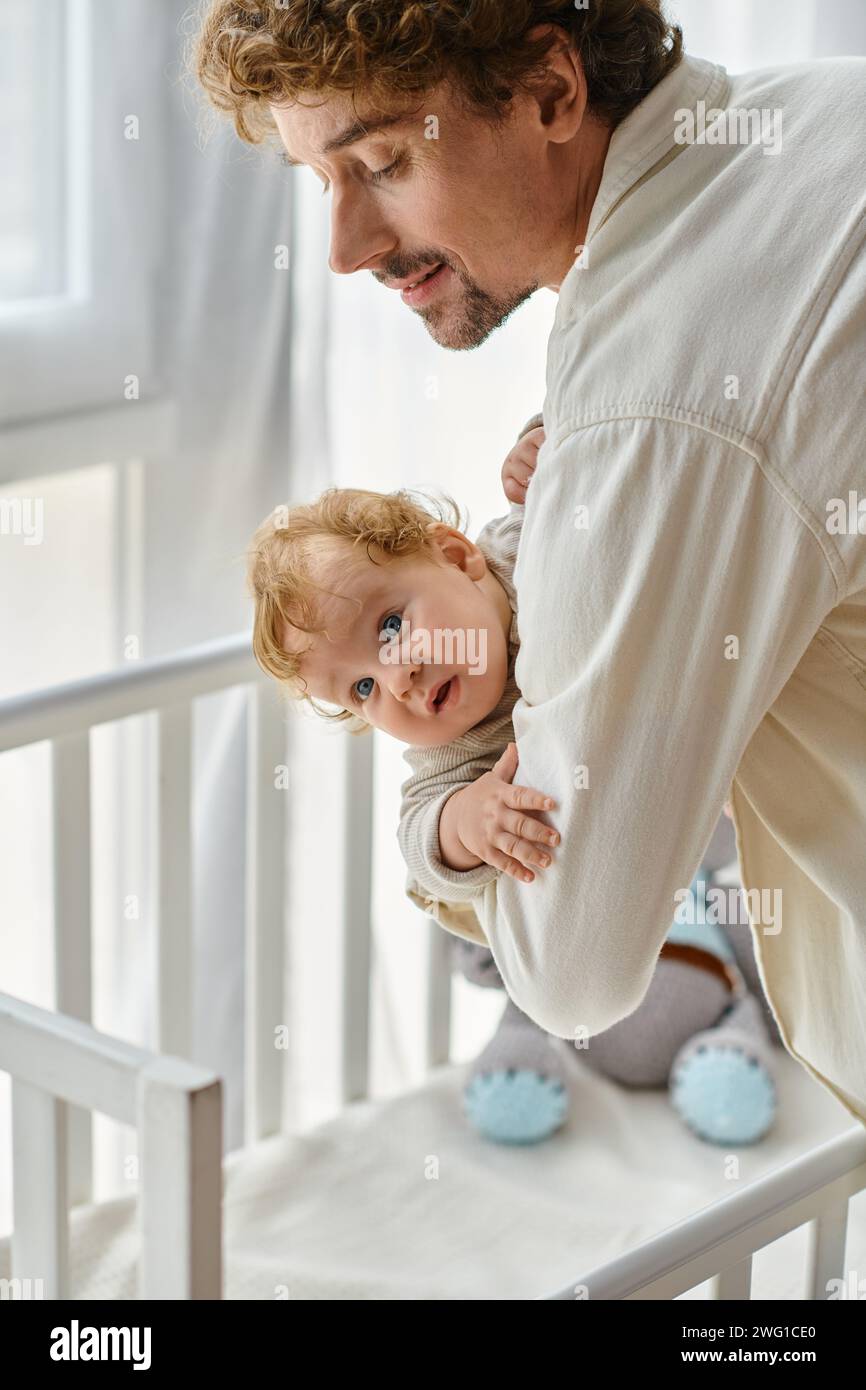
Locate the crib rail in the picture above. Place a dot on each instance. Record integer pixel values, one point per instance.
(63, 1069)
(65, 715)
(718, 1243)
(169, 688)
(176, 1108)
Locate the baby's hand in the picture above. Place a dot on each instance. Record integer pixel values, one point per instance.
(496, 823)
(519, 466)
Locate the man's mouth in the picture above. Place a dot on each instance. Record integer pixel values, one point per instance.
(423, 289)
(421, 278)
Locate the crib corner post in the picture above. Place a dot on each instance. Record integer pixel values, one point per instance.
(180, 1212)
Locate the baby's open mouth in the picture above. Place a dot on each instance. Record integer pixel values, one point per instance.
(442, 695)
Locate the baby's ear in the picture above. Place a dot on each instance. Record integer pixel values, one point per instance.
(437, 532)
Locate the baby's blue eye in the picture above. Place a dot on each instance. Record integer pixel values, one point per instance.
(391, 618)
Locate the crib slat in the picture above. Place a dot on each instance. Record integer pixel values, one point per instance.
(70, 812)
(733, 1283)
(828, 1236)
(174, 960)
(267, 796)
(40, 1189)
(438, 1032)
(180, 1146)
(357, 885)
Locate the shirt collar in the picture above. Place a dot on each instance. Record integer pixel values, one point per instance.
(646, 136)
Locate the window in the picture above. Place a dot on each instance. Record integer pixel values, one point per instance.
(78, 244)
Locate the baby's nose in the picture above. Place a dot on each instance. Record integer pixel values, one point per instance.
(405, 681)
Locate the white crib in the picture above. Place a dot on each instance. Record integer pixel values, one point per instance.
(62, 1069)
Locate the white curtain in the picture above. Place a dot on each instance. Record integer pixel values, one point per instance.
(151, 544)
(224, 332)
(225, 318)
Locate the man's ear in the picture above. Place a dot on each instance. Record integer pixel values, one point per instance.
(561, 92)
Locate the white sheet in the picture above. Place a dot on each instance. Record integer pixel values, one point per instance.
(349, 1210)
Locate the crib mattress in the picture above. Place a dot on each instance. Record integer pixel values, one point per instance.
(400, 1200)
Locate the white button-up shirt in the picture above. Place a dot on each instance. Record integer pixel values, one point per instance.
(691, 576)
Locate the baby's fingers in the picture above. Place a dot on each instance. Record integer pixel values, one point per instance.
(523, 471)
(528, 799)
(524, 851)
(498, 860)
(525, 828)
(521, 852)
(514, 491)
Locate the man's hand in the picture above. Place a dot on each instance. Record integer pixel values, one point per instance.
(493, 822)
(519, 466)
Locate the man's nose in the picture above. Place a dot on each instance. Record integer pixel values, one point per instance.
(359, 234)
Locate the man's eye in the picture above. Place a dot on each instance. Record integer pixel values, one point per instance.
(376, 175)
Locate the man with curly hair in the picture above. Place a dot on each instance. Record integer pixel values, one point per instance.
(691, 578)
(435, 137)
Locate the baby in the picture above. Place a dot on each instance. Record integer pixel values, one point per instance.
(367, 602)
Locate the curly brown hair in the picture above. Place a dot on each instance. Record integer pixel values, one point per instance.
(249, 53)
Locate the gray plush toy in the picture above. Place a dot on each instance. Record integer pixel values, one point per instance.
(704, 1030)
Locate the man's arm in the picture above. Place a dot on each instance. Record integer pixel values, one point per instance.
(657, 628)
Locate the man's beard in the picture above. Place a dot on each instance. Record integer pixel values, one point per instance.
(470, 321)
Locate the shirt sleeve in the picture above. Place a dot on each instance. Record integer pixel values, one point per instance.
(418, 835)
(458, 918)
(448, 895)
(535, 423)
(443, 893)
(668, 584)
